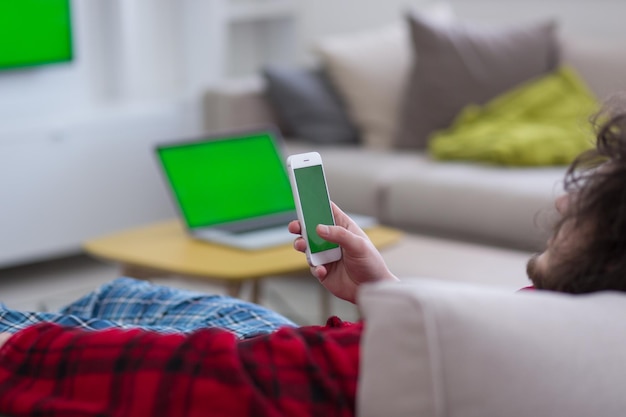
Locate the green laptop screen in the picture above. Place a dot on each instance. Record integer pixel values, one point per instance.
(34, 32)
(219, 181)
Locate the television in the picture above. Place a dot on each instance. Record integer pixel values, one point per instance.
(34, 33)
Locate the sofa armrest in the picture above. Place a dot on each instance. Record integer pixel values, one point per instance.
(448, 349)
(237, 104)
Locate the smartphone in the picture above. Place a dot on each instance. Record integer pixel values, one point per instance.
(312, 201)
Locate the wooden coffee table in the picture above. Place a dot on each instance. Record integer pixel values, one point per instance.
(165, 249)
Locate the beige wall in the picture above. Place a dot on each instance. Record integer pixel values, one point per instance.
(599, 19)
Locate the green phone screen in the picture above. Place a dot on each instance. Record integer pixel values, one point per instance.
(315, 205)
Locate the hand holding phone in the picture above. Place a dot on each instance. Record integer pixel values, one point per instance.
(312, 201)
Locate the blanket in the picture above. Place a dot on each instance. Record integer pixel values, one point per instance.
(542, 122)
(54, 371)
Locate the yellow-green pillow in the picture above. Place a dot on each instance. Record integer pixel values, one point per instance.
(541, 122)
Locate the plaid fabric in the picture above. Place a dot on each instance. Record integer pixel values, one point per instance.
(54, 371)
(128, 303)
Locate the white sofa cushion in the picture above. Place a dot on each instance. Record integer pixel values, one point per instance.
(513, 207)
(441, 349)
(481, 203)
(370, 70)
(357, 180)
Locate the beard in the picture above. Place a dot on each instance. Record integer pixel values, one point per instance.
(535, 274)
(556, 272)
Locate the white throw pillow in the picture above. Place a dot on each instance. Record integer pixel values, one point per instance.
(434, 349)
(370, 70)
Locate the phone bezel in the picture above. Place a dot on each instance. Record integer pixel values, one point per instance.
(305, 160)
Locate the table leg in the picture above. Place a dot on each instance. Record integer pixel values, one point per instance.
(140, 272)
(256, 291)
(324, 304)
(233, 288)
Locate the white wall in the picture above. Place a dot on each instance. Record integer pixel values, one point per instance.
(130, 51)
(326, 17)
(598, 19)
(39, 90)
(126, 52)
(78, 137)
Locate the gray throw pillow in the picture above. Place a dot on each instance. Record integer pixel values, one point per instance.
(307, 106)
(456, 65)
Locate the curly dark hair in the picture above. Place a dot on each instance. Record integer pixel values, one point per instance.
(596, 183)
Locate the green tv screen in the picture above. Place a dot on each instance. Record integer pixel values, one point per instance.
(34, 32)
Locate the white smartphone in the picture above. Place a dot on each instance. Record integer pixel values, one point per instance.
(312, 201)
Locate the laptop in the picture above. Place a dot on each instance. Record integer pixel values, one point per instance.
(233, 188)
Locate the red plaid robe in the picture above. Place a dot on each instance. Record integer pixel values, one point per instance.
(307, 371)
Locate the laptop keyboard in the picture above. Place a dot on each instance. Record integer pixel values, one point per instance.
(258, 225)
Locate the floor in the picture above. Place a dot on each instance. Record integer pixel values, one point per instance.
(48, 285)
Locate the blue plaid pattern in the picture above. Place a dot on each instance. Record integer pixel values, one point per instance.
(128, 304)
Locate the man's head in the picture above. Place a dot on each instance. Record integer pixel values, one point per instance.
(588, 250)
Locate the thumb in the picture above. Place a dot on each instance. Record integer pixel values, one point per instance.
(341, 236)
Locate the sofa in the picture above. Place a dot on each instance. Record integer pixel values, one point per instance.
(477, 351)
(433, 348)
(405, 186)
(409, 190)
